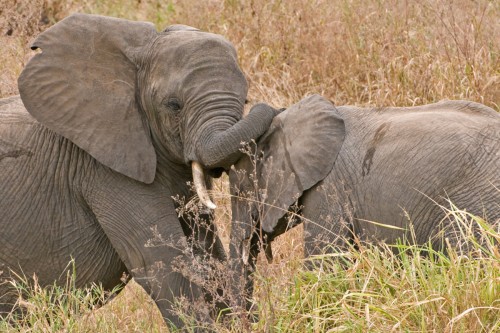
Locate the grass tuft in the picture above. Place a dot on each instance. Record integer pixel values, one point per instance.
(394, 288)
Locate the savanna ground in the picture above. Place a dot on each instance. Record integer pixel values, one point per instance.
(368, 53)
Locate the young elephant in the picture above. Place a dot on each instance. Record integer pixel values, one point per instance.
(347, 167)
(113, 120)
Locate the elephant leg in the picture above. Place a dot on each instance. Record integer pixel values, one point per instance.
(244, 248)
(159, 260)
(327, 228)
(144, 229)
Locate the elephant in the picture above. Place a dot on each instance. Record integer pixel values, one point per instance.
(377, 174)
(113, 122)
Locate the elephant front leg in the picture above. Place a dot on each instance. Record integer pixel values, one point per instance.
(144, 229)
(327, 223)
(160, 260)
(170, 279)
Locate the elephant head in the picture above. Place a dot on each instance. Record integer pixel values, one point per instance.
(298, 151)
(137, 99)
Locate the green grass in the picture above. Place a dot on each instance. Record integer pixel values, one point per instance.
(374, 288)
(381, 292)
(386, 288)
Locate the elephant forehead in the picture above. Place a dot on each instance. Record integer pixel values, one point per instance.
(190, 45)
(193, 61)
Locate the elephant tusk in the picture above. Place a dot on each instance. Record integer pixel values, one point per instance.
(200, 186)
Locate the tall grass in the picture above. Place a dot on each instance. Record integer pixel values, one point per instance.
(373, 288)
(377, 53)
(384, 52)
(381, 292)
(396, 288)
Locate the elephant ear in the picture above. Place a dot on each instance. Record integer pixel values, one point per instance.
(83, 86)
(299, 150)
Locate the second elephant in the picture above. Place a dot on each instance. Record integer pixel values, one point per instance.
(373, 173)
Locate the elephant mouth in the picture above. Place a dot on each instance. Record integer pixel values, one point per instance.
(216, 172)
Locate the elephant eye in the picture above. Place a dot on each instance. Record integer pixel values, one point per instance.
(173, 104)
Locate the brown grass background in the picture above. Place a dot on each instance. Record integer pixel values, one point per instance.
(382, 53)
(369, 53)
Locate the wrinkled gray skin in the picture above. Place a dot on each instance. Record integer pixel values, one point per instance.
(345, 166)
(111, 113)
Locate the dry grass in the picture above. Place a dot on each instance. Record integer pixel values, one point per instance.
(384, 52)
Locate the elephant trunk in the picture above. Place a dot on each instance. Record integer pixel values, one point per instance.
(221, 148)
(244, 248)
(218, 143)
(244, 245)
